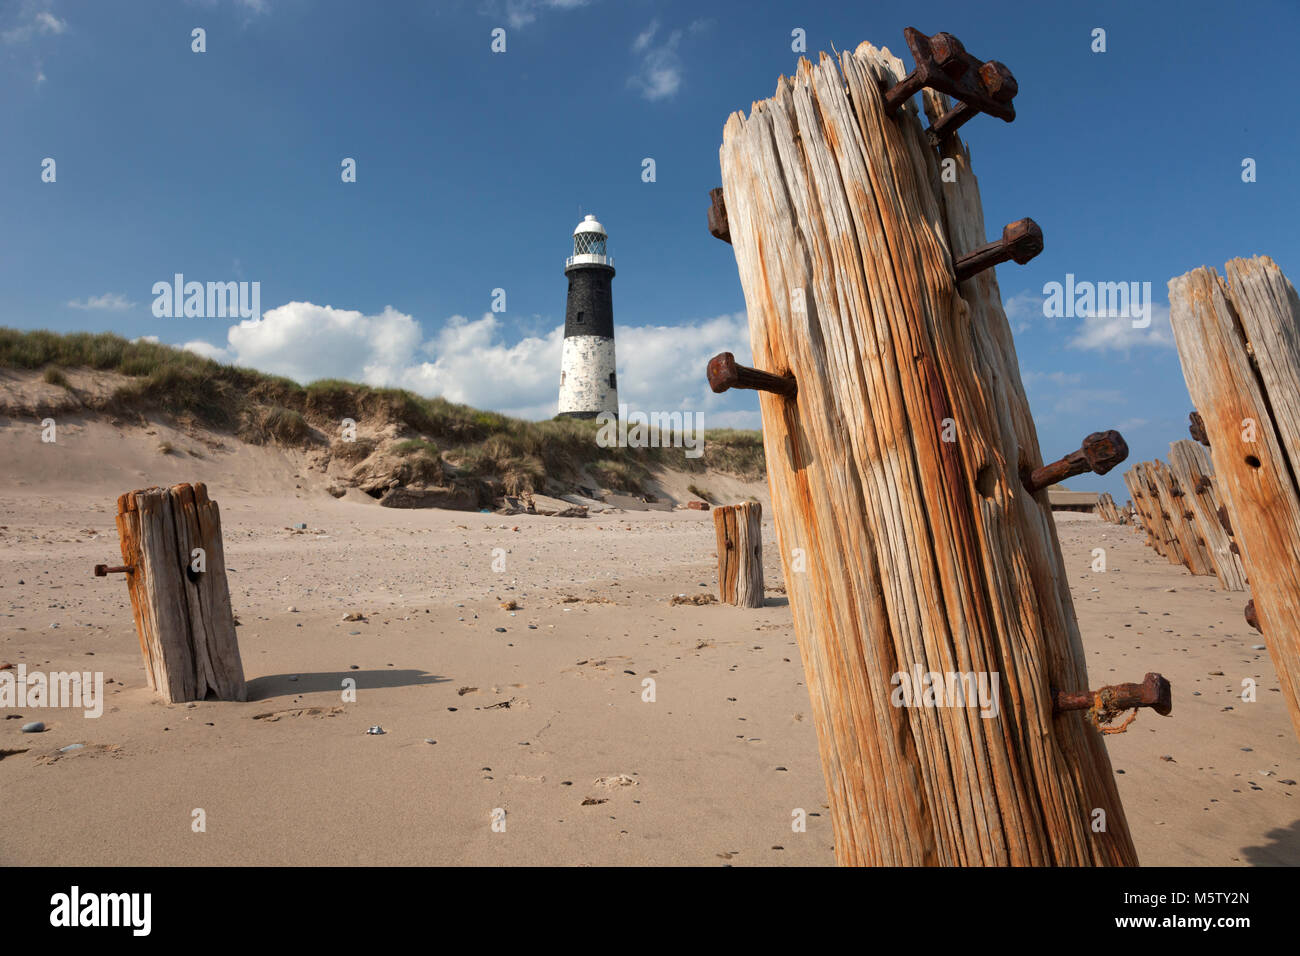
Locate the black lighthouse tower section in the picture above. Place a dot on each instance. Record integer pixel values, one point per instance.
(590, 306)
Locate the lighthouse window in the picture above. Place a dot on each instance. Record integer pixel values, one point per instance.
(589, 243)
(582, 316)
(612, 383)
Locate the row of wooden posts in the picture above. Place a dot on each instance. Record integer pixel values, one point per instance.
(1178, 506)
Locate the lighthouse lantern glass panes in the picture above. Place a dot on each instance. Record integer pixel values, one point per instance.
(588, 244)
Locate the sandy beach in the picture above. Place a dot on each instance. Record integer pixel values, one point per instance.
(536, 710)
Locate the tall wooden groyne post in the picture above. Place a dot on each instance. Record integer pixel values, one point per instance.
(175, 567)
(1239, 341)
(906, 475)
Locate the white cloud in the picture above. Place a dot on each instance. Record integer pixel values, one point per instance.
(472, 364)
(1054, 379)
(33, 19)
(1021, 309)
(207, 350)
(109, 301)
(304, 341)
(47, 22)
(660, 368)
(1103, 332)
(660, 71)
(520, 13)
(643, 38)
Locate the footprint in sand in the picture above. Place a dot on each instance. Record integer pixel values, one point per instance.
(299, 712)
(90, 750)
(615, 780)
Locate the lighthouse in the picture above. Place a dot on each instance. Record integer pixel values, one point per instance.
(588, 385)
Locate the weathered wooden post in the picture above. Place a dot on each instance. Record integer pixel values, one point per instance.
(1186, 542)
(1155, 518)
(895, 459)
(1137, 501)
(176, 572)
(1239, 342)
(739, 530)
(1190, 464)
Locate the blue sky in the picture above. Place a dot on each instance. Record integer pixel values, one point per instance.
(473, 167)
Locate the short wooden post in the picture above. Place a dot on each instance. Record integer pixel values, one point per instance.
(171, 543)
(1190, 464)
(1239, 342)
(896, 473)
(739, 530)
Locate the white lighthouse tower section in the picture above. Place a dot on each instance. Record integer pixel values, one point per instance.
(588, 382)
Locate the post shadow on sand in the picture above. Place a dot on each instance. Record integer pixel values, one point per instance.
(1283, 851)
(279, 685)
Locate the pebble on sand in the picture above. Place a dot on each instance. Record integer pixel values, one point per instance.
(35, 727)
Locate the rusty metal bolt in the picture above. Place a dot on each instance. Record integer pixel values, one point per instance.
(998, 81)
(949, 55)
(942, 63)
(1154, 692)
(1100, 452)
(103, 570)
(724, 373)
(1223, 519)
(1021, 241)
(1000, 87)
(1252, 618)
(719, 227)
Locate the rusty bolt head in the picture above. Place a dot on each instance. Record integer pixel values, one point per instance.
(1252, 617)
(998, 82)
(723, 372)
(719, 227)
(949, 54)
(101, 570)
(1023, 239)
(1223, 518)
(1156, 688)
(1104, 450)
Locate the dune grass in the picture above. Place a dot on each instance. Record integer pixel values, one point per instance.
(521, 454)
